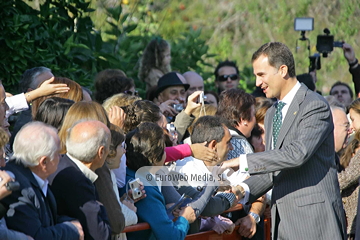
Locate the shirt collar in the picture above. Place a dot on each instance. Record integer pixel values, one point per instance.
(199, 163)
(85, 170)
(43, 184)
(290, 96)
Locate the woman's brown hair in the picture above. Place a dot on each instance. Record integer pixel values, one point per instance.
(81, 111)
(75, 93)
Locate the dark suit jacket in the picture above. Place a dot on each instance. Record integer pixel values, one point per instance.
(77, 197)
(31, 212)
(302, 171)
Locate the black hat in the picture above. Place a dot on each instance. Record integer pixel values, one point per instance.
(168, 80)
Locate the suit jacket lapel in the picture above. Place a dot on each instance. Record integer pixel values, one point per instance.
(269, 126)
(291, 114)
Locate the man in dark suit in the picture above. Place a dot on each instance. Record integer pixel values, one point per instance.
(87, 147)
(298, 163)
(32, 209)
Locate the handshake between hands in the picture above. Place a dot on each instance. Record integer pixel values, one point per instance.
(238, 191)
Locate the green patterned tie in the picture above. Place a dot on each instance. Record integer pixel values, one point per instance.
(277, 121)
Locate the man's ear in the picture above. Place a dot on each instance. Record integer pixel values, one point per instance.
(212, 144)
(101, 152)
(283, 70)
(216, 84)
(42, 162)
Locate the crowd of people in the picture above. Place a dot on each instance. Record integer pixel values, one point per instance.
(83, 165)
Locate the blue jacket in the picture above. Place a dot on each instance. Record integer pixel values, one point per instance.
(153, 211)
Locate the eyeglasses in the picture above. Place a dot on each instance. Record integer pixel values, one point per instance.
(128, 92)
(223, 78)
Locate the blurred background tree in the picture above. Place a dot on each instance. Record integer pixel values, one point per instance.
(77, 38)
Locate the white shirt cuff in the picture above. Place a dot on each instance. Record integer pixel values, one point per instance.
(245, 200)
(243, 164)
(16, 104)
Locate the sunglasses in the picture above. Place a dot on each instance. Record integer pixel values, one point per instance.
(128, 92)
(223, 78)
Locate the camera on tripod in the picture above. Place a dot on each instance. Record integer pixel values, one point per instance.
(324, 44)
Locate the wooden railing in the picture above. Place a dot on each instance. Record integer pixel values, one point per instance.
(209, 234)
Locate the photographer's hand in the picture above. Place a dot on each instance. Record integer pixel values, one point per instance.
(4, 178)
(129, 195)
(130, 205)
(168, 110)
(192, 102)
(349, 53)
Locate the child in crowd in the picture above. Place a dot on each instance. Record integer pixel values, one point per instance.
(155, 62)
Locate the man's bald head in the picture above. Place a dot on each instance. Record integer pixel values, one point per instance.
(85, 138)
(182, 78)
(195, 80)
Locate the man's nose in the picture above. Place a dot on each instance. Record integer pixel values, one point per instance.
(181, 98)
(258, 82)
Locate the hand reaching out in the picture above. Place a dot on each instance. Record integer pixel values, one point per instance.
(47, 88)
(201, 152)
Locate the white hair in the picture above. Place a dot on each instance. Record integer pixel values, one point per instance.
(86, 150)
(33, 141)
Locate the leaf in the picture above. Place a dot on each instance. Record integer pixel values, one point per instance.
(130, 28)
(115, 12)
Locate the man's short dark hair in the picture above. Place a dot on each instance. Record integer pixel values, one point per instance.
(29, 76)
(208, 128)
(278, 54)
(307, 79)
(225, 63)
(338, 83)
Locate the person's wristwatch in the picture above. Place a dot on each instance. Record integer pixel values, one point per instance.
(351, 65)
(255, 216)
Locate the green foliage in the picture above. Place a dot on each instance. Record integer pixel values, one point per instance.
(60, 35)
(193, 52)
(76, 38)
(57, 35)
